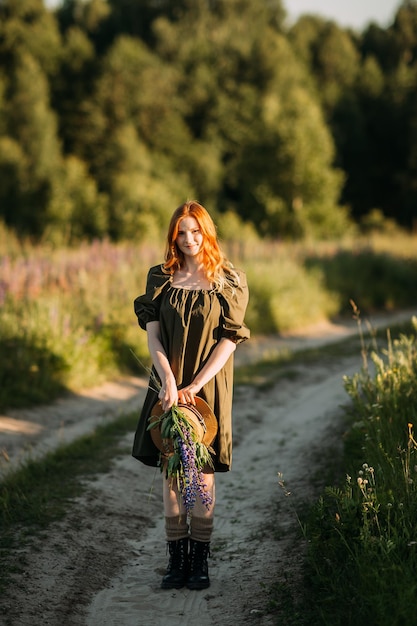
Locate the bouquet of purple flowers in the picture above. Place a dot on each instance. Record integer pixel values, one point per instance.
(187, 457)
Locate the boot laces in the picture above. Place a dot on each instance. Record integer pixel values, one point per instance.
(199, 553)
(177, 554)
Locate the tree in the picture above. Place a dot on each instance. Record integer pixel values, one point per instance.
(245, 95)
(26, 26)
(73, 85)
(404, 32)
(134, 138)
(33, 150)
(287, 172)
(349, 88)
(77, 210)
(390, 114)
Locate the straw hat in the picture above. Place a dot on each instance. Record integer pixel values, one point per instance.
(201, 418)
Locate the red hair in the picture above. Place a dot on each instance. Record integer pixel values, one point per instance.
(213, 259)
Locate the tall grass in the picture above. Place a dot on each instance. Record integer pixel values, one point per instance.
(285, 296)
(379, 280)
(66, 315)
(363, 534)
(66, 318)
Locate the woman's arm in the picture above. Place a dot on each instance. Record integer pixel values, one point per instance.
(217, 360)
(168, 393)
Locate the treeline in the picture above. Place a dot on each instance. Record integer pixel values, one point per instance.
(112, 112)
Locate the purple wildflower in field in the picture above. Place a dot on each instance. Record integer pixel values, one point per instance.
(39, 271)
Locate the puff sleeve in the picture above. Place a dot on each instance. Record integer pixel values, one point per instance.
(147, 305)
(234, 300)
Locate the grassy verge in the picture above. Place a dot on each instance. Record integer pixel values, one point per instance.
(67, 321)
(362, 534)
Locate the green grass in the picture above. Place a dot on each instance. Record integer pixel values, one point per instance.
(376, 280)
(361, 533)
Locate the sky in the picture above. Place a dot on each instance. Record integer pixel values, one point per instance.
(347, 13)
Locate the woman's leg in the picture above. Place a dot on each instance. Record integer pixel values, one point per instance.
(176, 526)
(202, 515)
(174, 506)
(176, 529)
(201, 523)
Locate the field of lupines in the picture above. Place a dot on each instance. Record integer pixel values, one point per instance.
(362, 536)
(66, 315)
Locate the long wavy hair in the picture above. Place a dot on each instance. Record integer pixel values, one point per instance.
(218, 268)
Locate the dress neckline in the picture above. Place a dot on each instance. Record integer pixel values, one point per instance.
(191, 289)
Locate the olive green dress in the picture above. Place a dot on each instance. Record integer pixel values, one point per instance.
(192, 322)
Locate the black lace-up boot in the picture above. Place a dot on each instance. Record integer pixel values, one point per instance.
(198, 577)
(176, 574)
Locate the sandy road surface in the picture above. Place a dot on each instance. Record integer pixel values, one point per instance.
(281, 431)
(102, 564)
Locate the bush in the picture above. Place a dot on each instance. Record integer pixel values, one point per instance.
(284, 296)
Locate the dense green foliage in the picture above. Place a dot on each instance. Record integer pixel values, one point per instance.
(362, 535)
(113, 112)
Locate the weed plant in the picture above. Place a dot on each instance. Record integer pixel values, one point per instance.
(362, 535)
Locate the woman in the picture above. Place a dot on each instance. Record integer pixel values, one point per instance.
(193, 312)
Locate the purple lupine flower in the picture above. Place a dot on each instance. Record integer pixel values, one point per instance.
(205, 496)
(188, 459)
(189, 477)
(191, 480)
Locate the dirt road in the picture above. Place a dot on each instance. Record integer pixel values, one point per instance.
(102, 564)
(277, 431)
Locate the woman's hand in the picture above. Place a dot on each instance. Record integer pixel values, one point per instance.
(187, 394)
(168, 394)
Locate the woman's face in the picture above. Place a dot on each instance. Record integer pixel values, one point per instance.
(189, 239)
